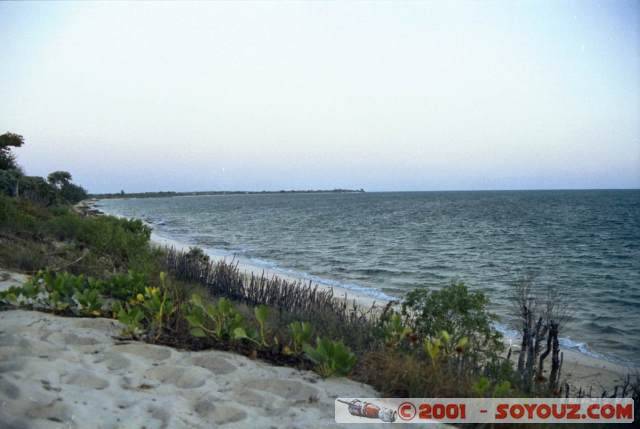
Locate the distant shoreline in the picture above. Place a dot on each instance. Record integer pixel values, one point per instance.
(204, 193)
(166, 194)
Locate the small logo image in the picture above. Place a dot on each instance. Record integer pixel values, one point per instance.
(407, 411)
(370, 410)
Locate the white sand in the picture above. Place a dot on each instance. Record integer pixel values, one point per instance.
(58, 372)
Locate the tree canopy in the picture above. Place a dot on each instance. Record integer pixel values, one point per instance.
(59, 178)
(8, 141)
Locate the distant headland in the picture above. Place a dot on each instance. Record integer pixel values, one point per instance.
(123, 194)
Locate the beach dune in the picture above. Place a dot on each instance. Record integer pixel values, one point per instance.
(58, 372)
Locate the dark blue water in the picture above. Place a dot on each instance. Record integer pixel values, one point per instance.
(586, 243)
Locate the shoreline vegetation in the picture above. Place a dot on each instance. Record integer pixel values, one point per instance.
(433, 343)
(164, 194)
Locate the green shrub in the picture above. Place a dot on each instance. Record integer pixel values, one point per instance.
(330, 357)
(458, 312)
(394, 330)
(14, 218)
(64, 226)
(125, 242)
(124, 287)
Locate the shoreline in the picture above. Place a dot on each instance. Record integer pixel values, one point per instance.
(583, 369)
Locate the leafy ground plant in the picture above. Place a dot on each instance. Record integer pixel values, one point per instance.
(300, 334)
(89, 302)
(262, 313)
(219, 320)
(330, 357)
(131, 317)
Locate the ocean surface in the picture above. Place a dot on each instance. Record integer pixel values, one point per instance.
(585, 243)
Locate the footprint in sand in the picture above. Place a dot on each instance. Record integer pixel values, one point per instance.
(114, 361)
(287, 389)
(147, 351)
(55, 411)
(71, 339)
(86, 380)
(8, 389)
(184, 378)
(215, 364)
(217, 413)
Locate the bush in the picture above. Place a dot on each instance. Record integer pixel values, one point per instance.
(394, 373)
(8, 211)
(65, 226)
(458, 312)
(122, 240)
(124, 286)
(96, 245)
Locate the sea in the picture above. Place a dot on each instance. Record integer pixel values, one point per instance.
(583, 243)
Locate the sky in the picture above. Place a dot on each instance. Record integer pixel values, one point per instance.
(385, 96)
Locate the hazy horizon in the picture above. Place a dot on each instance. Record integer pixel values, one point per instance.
(403, 96)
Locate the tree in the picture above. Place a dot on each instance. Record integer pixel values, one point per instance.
(9, 181)
(73, 193)
(37, 190)
(9, 140)
(59, 179)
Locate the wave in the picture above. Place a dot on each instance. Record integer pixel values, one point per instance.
(263, 264)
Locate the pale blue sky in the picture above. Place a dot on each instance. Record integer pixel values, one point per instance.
(380, 95)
